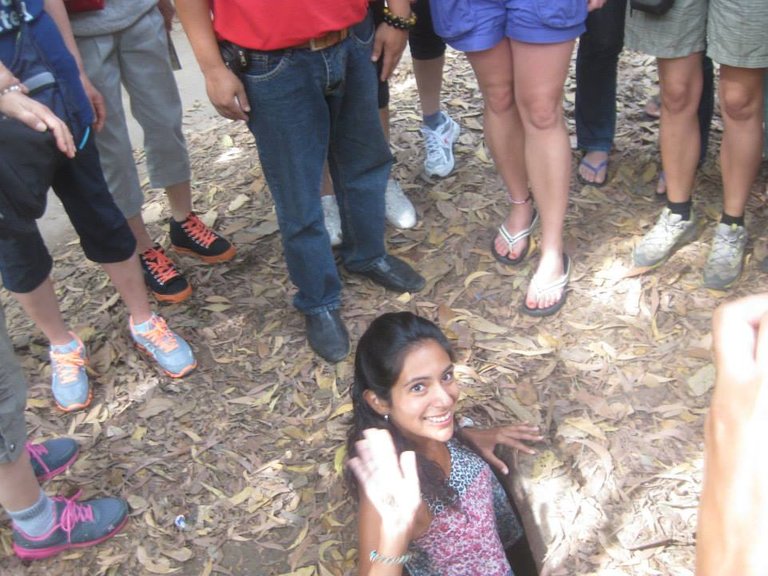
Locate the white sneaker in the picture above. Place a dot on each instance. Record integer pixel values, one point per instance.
(668, 234)
(726, 258)
(332, 218)
(439, 144)
(398, 209)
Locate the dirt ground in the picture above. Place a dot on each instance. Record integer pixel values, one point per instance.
(249, 448)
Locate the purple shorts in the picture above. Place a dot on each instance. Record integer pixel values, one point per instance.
(475, 25)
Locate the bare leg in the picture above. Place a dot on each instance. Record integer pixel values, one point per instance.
(504, 135)
(384, 118)
(429, 82)
(540, 72)
(143, 240)
(19, 488)
(681, 84)
(127, 278)
(42, 307)
(327, 189)
(741, 98)
(180, 200)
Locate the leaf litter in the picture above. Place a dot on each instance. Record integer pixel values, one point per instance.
(250, 448)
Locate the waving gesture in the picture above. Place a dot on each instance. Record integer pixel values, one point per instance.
(391, 484)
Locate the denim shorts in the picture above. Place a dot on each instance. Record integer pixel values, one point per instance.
(475, 25)
(13, 399)
(104, 234)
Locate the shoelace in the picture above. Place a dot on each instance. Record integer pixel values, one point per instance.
(725, 246)
(664, 228)
(160, 335)
(67, 365)
(198, 231)
(73, 513)
(160, 266)
(37, 451)
(434, 146)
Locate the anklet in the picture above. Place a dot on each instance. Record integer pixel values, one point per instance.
(519, 202)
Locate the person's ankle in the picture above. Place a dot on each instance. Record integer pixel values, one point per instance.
(62, 339)
(37, 519)
(434, 120)
(139, 319)
(180, 216)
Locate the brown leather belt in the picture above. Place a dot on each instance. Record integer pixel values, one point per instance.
(324, 41)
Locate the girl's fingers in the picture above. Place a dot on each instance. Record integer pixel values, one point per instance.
(382, 448)
(410, 473)
(496, 462)
(515, 443)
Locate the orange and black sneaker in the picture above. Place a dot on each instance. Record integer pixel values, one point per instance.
(162, 276)
(193, 237)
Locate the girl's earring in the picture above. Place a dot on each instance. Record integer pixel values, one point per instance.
(386, 418)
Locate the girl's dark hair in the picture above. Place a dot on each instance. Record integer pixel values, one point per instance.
(379, 360)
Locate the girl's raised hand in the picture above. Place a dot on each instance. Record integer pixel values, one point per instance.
(485, 441)
(391, 484)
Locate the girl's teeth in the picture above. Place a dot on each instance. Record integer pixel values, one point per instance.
(438, 419)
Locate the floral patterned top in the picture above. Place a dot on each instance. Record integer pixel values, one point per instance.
(469, 537)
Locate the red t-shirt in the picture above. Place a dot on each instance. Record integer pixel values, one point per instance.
(276, 24)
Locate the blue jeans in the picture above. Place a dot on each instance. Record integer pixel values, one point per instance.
(307, 107)
(596, 63)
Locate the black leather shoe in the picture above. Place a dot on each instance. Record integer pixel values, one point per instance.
(394, 274)
(327, 335)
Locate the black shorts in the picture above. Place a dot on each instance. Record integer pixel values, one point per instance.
(422, 40)
(424, 43)
(104, 234)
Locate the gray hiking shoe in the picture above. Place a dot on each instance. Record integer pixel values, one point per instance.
(726, 258)
(668, 234)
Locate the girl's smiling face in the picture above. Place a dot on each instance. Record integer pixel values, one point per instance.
(423, 399)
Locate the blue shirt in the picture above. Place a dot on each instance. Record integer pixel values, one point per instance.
(46, 33)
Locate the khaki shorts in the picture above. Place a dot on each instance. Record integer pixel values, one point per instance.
(734, 32)
(13, 398)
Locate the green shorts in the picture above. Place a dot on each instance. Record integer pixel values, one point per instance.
(734, 32)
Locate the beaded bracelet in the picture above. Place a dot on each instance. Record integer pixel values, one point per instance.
(397, 21)
(12, 88)
(389, 560)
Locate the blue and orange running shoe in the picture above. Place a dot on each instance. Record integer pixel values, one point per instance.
(69, 378)
(167, 348)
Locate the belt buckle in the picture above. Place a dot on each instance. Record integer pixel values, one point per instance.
(328, 40)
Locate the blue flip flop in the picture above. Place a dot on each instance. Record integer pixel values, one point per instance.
(595, 169)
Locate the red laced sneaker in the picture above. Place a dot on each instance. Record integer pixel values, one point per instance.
(193, 237)
(162, 276)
